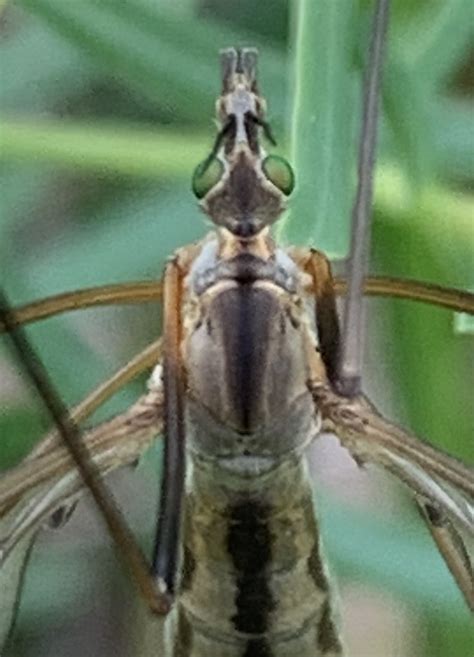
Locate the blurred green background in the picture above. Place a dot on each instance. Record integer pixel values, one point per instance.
(106, 107)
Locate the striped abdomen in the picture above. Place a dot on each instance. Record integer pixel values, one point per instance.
(253, 581)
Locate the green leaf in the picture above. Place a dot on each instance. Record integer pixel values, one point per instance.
(39, 82)
(322, 147)
(166, 56)
(106, 148)
(428, 362)
(19, 429)
(22, 187)
(428, 44)
(406, 108)
(454, 138)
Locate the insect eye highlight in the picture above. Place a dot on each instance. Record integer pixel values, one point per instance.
(206, 175)
(279, 172)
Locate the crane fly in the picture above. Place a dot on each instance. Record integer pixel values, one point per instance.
(250, 370)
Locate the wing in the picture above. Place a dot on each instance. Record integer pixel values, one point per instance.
(40, 485)
(442, 486)
(47, 482)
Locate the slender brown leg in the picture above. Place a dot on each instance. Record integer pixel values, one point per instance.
(101, 295)
(442, 487)
(48, 482)
(167, 538)
(126, 544)
(145, 292)
(452, 548)
(317, 265)
(350, 365)
(135, 366)
(390, 441)
(452, 298)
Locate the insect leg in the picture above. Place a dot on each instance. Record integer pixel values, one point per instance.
(461, 301)
(138, 292)
(167, 538)
(70, 433)
(48, 480)
(351, 360)
(139, 363)
(101, 295)
(452, 548)
(316, 264)
(442, 486)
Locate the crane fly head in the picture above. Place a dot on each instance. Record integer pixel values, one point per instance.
(239, 186)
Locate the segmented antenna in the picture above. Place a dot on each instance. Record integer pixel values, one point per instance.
(353, 329)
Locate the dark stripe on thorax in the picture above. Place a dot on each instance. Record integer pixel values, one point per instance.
(248, 312)
(252, 307)
(249, 543)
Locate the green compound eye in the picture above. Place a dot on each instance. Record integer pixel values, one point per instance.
(206, 175)
(280, 173)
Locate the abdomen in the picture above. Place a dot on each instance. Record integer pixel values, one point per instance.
(253, 582)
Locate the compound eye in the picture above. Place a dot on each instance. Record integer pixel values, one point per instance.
(279, 172)
(206, 175)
